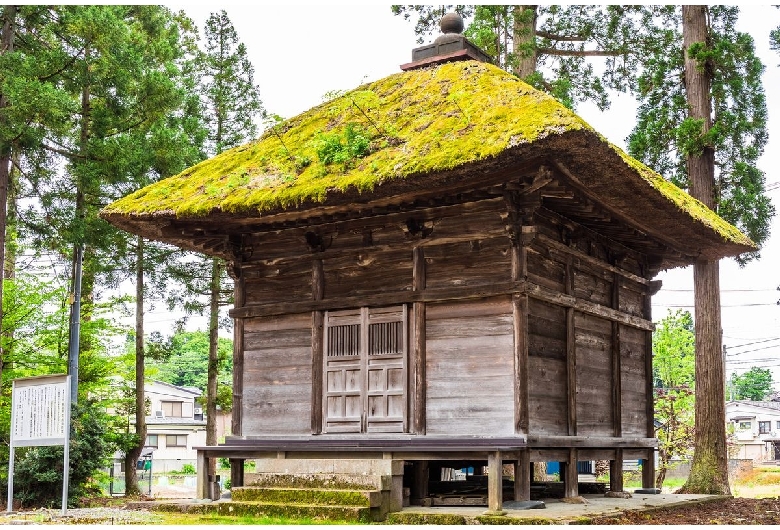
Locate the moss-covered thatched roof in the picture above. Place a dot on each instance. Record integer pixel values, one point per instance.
(409, 131)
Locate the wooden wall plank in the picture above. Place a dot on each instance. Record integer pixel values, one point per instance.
(278, 377)
(477, 262)
(465, 356)
(368, 271)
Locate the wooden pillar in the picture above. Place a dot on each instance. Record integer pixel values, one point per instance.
(418, 343)
(317, 347)
(202, 484)
(616, 471)
(617, 390)
(648, 470)
(236, 465)
(569, 474)
(523, 472)
(495, 482)
(648, 464)
(571, 356)
(520, 325)
(419, 487)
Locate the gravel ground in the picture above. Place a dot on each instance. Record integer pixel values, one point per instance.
(81, 516)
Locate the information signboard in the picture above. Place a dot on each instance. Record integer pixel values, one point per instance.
(40, 415)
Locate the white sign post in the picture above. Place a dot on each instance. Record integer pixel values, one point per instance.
(40, 415)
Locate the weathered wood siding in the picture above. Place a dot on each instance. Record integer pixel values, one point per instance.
(277, 375)
(546, 368)
(594, 376)
(460, 372)
(632, 356)
(469, 368)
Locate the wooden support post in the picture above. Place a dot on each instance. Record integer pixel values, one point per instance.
(523, 472)
(495, 482)
(616, 471)
(520, 320)
(317, 347)
(202, 483)
(520, 326)
(617, 390)
(236, 465)
(571, 356)
(419, 487)
(648, 470)
(569, 474)
(418, 343)
(648, 465)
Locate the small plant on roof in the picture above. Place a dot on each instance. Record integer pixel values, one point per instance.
(344, 147)
(273, 123)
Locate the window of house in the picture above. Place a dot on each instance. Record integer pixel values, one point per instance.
(778, 425)
(151, 440)
(176, 440)
(764, 427)
(171, 409)
(744, 425)
(365, 370)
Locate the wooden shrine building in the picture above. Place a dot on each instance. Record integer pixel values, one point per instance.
(442, 267)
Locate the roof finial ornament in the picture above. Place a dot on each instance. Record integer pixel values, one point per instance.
(451, 23)
(450, 46)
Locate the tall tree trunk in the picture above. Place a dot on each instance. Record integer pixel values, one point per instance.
(524, 36)
(134, 453)
(213, 371)
(6, 46)
(709, 469)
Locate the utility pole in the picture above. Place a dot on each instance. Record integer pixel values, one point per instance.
(75, 326)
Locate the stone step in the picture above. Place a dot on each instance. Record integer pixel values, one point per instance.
(339, 481)
(359, 514)
(318, 496)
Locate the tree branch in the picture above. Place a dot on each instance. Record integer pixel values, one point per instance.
(579, 53)
(559, 38)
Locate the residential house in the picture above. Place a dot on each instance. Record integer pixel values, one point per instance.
(756, 428)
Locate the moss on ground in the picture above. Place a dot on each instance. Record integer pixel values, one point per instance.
(425, 518)
(326, 497)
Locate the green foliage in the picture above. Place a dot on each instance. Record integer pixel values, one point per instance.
(665, 134)
(673, 372)
(185, 363)
(228, 89)
(754, 385)
(342, 148)
(552, 46)
(38, 471)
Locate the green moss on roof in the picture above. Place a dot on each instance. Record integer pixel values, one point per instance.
(693, 207)
(422, 121)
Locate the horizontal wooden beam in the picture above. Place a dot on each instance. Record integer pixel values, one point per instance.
(592, 442)
(557, 245)
(445, 294)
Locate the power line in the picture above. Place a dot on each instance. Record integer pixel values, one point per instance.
(751, 343)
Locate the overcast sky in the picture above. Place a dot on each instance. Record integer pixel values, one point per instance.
(300, 52)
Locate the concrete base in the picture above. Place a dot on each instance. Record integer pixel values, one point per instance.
(384, 475)
(524, 505)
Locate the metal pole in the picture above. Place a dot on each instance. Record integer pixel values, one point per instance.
(10, 506)
(75, 327)
(66, 451)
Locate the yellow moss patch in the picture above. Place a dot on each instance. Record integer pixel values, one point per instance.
(685, 202)
(421, 121)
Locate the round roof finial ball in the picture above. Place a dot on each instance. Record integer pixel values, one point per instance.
(451, 23)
